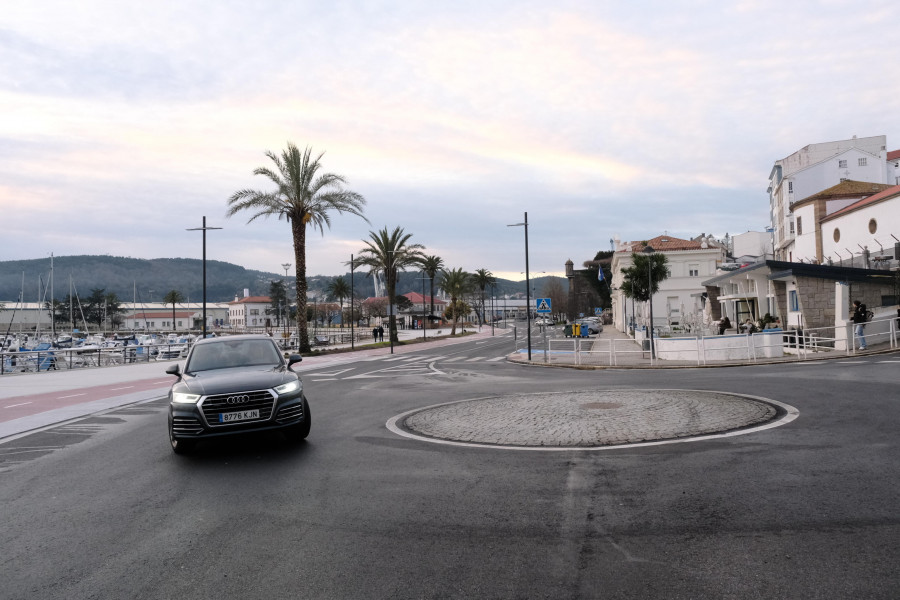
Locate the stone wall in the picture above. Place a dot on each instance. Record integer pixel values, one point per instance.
(816, 301)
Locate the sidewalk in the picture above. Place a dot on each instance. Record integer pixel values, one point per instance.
(628, 354)
(34, 400)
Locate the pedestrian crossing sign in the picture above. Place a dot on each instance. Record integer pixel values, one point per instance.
(543, 306)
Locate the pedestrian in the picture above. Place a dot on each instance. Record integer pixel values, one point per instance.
(859, 317)
(724, 324)
(375, 334)
(380, 333)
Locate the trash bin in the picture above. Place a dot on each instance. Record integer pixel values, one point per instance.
(567, 331)
(645, 345)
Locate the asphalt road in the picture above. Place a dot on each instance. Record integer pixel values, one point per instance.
(101, 507)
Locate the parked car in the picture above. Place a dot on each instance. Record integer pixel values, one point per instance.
(594, 326)
(234, 385)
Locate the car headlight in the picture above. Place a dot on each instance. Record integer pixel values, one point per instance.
(182, 398)
(287, 388)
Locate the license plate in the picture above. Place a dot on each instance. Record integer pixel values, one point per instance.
(241, 415)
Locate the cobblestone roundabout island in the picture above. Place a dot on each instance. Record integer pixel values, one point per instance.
(588, 419)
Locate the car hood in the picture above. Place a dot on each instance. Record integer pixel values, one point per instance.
(223, 381)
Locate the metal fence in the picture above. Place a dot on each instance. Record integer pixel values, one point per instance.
(770, 345)
(59, 359)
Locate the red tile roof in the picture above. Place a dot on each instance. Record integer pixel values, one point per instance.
(665, 243)
(888, 194)
(253, 300)
(416, 298)
(893, 155)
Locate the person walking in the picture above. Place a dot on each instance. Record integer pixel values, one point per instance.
(380, 333)
(374, 334)
(859, 317)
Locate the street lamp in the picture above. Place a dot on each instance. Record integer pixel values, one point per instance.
(287, 307)
(648, 250)
(424, 315)
(352, 264)
(527, 283)
(204, 230)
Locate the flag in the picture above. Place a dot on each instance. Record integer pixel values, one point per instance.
(600, 274)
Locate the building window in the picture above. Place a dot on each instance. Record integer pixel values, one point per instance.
(862, 162)
(799, 226)
(842, 164)
(837, 234)
(873, 225)
(795, 303)
(790, 187)
(792, 228)
(693, 272)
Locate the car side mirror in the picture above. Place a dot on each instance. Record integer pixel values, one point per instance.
(174, 370)
(294, 359)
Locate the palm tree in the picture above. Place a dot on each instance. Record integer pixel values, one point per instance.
(303, 196)
(389, 253)
(483, 278)
(173, 297)
(456, 283)
(432, 265)
(645, 273)
(338, 289)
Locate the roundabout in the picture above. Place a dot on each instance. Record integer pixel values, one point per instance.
(592, 419)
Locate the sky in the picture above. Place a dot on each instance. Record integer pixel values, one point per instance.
(124, 123)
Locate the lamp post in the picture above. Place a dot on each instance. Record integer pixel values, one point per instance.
(527, 283)
(351, 301)
(424, 314)
(648, 250)
(287, 307)
(204, 230)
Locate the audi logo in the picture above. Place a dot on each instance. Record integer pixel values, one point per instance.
(237, 399)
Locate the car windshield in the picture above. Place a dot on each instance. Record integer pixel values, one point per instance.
(233, 353)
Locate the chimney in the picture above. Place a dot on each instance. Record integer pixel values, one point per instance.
(246, 292)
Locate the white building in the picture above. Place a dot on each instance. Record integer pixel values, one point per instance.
(817, 167)
(250, 311)
(872, 224)
(690, 263)
(810, 214)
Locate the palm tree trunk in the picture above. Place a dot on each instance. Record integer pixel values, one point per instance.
(299, 232)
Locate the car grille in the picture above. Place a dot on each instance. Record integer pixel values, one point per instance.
(186, 426)
(289, 413)
(214, 405)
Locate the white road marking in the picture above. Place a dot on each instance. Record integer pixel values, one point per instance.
(72, 396)
(127, 387)
(477, 358)
(15, 405)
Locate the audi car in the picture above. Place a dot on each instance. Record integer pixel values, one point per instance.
(235, 385)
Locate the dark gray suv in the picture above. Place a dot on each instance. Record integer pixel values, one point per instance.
(233, 385)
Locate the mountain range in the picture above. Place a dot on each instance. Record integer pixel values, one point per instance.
(148, 280)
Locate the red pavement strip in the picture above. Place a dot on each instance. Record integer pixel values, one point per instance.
(25, 406)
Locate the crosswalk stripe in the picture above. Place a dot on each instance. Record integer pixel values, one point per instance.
(455, 358)
(496, 358)
(477, 358)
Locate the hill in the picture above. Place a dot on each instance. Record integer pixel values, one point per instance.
(148, 280)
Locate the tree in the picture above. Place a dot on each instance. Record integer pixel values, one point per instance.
(456, 283)
(483, 278)
(432, 265)
(278, 299)
(100, 306)
(338, 289)
(388, 254)
(302, 196)
(173, 297)
(643, 277)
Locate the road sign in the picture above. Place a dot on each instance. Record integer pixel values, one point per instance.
(542, 306)
(598, 311)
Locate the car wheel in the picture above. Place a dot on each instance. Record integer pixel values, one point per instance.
(300, 431)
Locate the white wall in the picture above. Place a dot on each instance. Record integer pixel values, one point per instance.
(854, 230)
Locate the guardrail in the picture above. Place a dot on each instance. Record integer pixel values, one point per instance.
(59, 359)
(774, 344)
